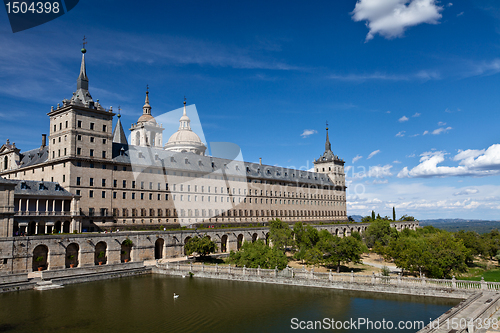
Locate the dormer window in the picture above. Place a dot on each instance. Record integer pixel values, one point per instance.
(58, 187)
(24, 186)
(199, 163)
(41, 187)
(172, 159)
(186, 161)
(248, 169)
(122, 151)
(140, 155)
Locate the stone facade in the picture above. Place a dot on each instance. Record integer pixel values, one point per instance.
(55, 252)
(143, 185)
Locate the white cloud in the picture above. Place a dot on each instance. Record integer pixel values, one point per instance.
(449, 4)
(441, 123)
(396, 162)
(308, 132)
(417, 114)
(401, 134)
(390, 18)
(380, 171)
(425, 133)
(373, 153)
(403, 119)
(485, 162)
(356, 158)
(380, 181)
(467, 191)
(388, 112)
(414, 135)
(460, 14)
(440, 130)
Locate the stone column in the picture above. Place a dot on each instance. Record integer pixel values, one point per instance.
(54, 206)
(20, 202)
(27, 204)
(36, 228)
(37, 202)
(46, 206)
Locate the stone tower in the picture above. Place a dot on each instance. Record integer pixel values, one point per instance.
(332, 165)
(146, 132)
(80, 128)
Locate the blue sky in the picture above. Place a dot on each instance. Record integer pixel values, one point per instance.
(409, 88)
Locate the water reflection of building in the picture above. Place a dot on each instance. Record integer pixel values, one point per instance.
(145, 184)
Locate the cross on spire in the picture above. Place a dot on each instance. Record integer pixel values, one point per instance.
(327, 125)
(147, 88)
(84, 41)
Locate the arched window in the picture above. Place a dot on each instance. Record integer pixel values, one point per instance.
(138, 139)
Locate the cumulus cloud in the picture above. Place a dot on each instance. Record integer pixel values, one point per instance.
(467, 191)
(390, 18)
(425, 133)
(441, 123)
(460, 14)
(401, 134)
(373, 153)
(308, 132)
(472, 162)
(417, 114)
(403, 119)
(356, 158)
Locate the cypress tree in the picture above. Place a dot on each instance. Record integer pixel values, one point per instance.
(393, 213)
(373, 215)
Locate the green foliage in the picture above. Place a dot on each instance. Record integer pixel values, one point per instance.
(406, 218)
(280, 234)
(101, 254)
(366, 219)
(257, 254)
(373, 215)
(203, 246)
(71, 257)
(385, 271)
(127, 242)
(379, 231)
(38, 259)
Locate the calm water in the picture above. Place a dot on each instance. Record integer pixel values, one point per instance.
(146, 304)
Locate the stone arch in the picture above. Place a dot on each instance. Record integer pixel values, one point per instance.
(159, 248)
(239, 242)
(40, 255)
(125, 249)
(185, 241)
(223, 244)
(72, 255)
(254, 237)
(100, 253)
(57, 227)
(65, 227)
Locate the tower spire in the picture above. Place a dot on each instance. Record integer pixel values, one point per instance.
(83, 81)
(328, 146)
(146, 109)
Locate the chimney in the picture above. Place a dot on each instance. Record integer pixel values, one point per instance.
(260, 160)
(44, 140)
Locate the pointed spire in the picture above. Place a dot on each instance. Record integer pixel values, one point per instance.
(119, 133)
(184, 121)
(83, 81)
(328, 146)
(146, 109)
(184, 113)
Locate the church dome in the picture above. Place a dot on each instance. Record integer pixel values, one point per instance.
(185, 140)
(146, 118)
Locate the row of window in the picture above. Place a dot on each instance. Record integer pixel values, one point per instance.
(143, 212)
(79, 124)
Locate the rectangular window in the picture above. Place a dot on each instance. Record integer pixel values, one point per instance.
(78, 192)
(91, 182)
(92, 126)
(115, 183)
(91, 152)
(103, 141)
(79, 124)
(78, 164)
(103, 154)
(133, 195)
(133, 184)
(64, 178)
(166, 196)
(103, 194)
(91, 194)
(78, 180)
(114, 195)
(103, 183)
(104, 166)
(142, 185)
(124, 195)
(115, 167)
(91, 165)
(142, 196)
(124, 184)
(64, 151)
(150, 185)
(91, 139)
(55, 128)
(104, 128)
(150, 196)
(159, 196)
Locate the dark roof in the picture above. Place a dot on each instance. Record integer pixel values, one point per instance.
(39, 188)
(7, 181)
(34, 157)
(143, 157)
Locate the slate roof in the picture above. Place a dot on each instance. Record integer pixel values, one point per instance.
(144, 157)
(34, 188)
(34, 157)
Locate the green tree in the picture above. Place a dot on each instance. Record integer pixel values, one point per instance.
(406, 218)
(409, 252)
(393, 213)
(257, 254)
(338, 250)
(366, 219)
(306, 238)
(280, 234)
(203, 246)
(380, 231)
(446, 254)
(373, 215)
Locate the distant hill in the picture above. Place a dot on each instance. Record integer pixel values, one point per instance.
(479, 226)
(356, 218)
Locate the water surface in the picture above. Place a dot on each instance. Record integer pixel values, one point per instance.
(146, 304)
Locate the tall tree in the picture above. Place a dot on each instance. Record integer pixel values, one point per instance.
(393, 213)
(203, 246)
(280, 234)
(373, 215)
